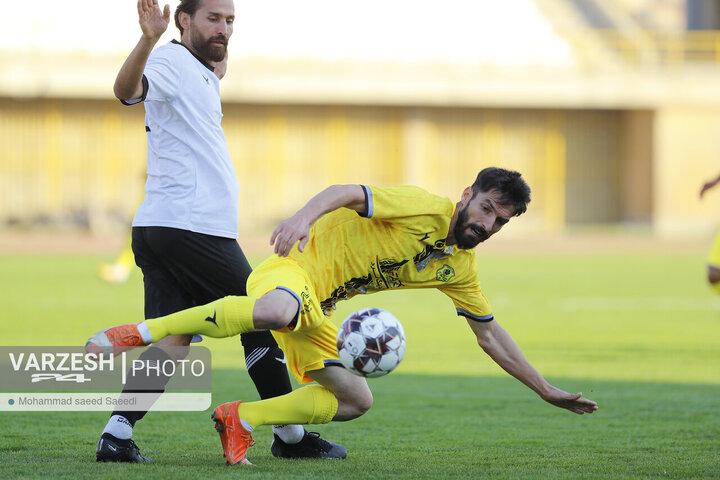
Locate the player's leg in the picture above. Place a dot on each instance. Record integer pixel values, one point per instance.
(340, 396)
(351, 391)
(265, 363)
(115, 444)
(714, 265)
(222, 318)
(178, 267)
(264, 360)
(163, 294)
(226, 317)
(309, 346)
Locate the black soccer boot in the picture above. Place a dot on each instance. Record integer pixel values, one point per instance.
(311, 446)
(113, 449)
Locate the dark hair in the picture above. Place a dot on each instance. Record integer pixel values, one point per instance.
(187, 6)
(513, 189)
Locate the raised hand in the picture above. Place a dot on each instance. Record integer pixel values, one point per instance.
(574, 402)
(153, 22)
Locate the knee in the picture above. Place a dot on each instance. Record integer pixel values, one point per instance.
(364, 403)
(360, 404)
(274, 310)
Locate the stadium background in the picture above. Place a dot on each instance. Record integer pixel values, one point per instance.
(611, 109)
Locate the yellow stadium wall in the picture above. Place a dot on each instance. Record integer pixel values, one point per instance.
(73, 161)
(67, 161)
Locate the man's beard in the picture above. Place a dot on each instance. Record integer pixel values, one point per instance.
(462, 238)
(206, 50)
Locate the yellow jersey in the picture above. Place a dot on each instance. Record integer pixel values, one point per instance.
(399, 243)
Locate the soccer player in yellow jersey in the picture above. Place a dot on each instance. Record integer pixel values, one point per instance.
(714, 257)
(349, 240)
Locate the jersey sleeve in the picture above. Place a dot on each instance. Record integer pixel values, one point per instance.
(402, 202)
(469, 301)
(160, 79)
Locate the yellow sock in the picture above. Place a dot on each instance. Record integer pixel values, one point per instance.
(219, 319)
(716, 286)
(311, 404)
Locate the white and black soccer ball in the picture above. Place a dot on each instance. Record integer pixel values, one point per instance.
(371, 342)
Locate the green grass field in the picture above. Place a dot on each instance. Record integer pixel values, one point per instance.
(640, 334)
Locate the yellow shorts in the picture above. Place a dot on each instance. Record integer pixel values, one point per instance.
(714, 258)
(308, 342)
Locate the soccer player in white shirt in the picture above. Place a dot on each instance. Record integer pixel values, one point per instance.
(184, 234)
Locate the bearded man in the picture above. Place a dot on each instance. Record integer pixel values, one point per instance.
(184, 235)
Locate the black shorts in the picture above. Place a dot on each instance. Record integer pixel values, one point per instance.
(183, 269)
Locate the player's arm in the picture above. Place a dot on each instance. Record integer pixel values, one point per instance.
(497, 343)
(297, 227)
(708, 185)
(153, 23)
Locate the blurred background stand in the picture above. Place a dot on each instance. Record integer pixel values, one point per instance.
(611, 109)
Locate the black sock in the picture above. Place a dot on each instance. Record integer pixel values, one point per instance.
(265, 363)
(144, 384)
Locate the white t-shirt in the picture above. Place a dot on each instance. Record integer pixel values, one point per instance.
(191, 182)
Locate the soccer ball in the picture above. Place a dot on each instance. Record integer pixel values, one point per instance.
(371, 342)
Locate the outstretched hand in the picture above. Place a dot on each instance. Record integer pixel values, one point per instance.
(153, 22)
(574, 402)
(295, 228)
